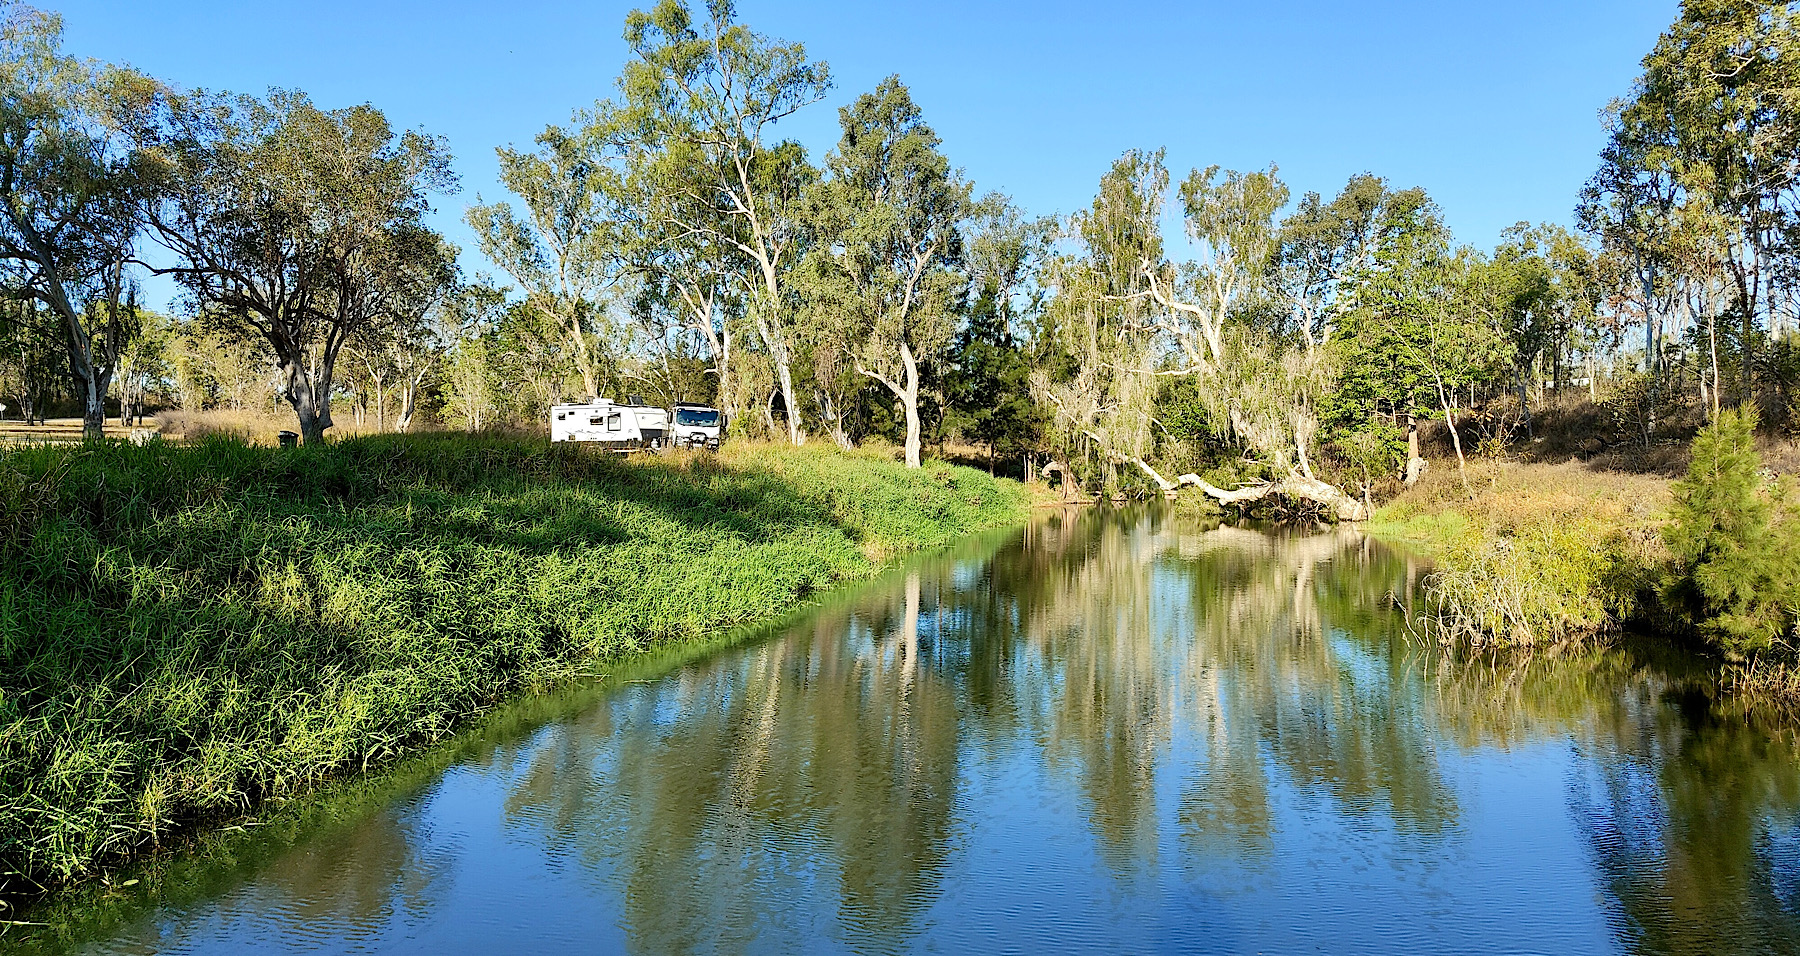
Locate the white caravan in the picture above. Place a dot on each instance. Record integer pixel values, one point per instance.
(696, 426)
(603, 420)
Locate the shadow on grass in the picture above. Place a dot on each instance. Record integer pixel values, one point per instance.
(185, 631)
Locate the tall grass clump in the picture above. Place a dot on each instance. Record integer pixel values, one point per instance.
(188, 630)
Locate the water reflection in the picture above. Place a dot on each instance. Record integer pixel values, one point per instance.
(1120, 732)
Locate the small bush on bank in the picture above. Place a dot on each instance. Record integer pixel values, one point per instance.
(1734, 541)
(187, 630)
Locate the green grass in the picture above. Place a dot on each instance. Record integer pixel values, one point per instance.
(186, 631)
(1536, 554)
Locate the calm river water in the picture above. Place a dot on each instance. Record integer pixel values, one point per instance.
(1119, 732)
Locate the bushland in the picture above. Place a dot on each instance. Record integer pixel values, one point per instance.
(189, 630)
(1533, 553)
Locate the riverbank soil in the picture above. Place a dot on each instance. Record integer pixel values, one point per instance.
(188, 630)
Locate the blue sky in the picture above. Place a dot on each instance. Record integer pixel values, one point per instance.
(1492, 107)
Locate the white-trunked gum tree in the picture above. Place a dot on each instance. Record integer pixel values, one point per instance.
(884, 268)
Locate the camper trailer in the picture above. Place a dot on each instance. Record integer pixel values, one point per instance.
(696, 426)
(602, 420)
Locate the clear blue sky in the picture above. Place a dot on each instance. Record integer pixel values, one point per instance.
(1492, 107)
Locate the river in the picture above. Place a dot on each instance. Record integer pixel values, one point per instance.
(1115, 732)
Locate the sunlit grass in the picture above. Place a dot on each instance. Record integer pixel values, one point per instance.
(185, 631)
(1536, 553)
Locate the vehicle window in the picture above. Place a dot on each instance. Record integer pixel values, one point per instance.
(694, 416)
(594, 421)
(614, 423)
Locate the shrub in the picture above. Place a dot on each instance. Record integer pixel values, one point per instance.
(1736, 563)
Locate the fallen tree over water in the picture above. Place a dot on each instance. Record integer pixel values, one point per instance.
(1296, 486)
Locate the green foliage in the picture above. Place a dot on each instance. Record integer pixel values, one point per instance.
(1537, 554)
(1694, 178)
(988, 388)
(1548, 581)
(882, 279)
(1736, 560)
(187, 630)
(302, 225)
(563, 245)
(71, 190)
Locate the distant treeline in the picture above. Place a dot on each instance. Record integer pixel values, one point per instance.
(666, 242)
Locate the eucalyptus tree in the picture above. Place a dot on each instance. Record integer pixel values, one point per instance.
(143, 364)
(1232, 219)
(1424, 328)
(302, 224)
(1706, 140)
(405, 353)
(1546, 298)
(471, 389)
(562, 246)
(704, 94)
(685, 278)
(883, 270)
(1322, 247)
(1100, 365)
(29, 358)
(1257, 382)
(71, 190)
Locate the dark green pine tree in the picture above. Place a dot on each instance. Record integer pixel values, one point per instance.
(988, 389)
(1735, 578)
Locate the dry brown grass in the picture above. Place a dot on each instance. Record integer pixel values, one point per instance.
(61, 430)
(1780, 455)
(256, 427)
(1533, 553)
(1508, 495)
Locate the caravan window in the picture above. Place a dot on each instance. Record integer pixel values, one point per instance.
(561, 415)
(594, 420)
(614, 423)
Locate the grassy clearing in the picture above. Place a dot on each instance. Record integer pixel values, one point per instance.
(188, 630)
(1538, 553)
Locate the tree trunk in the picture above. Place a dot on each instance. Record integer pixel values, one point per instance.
(93, 416)
(1462, 466)
(584, 359)
(1712, 332)
(784, 373)
(1068, 482)
(1525, 400)
(89, 377)
(1415, 465)
(1295, 486)
(409, 399)
(909, 397)
(310, 397)
(775, 339)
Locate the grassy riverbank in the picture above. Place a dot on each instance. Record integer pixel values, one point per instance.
(1534, 553)
(188, 630)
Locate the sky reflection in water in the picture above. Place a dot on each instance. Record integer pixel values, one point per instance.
(1120, 732)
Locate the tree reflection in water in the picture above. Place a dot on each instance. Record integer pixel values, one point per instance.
(1155, 732)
